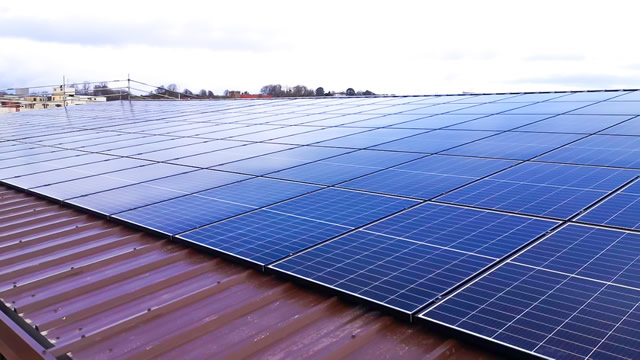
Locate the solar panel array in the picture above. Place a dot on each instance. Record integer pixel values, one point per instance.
(513, 217)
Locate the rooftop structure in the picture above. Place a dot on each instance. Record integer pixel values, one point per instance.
(508, 219)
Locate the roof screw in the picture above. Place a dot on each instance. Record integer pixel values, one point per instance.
(149, 309)
(110, 350)
(64, 318)
(57, 337)
(44, 352)
(72, 268)
(33, 295)
(82, 336)
(79, 329)
(353, 336)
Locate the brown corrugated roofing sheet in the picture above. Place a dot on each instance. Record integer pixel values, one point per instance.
(98, 290)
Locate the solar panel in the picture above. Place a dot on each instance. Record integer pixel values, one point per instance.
(573, 295)
(514, 145)
(428, 177)
(412, 258)
(341, 168)
(397, 201)
(605, 150)
(553, 190)
(434, 141)
(621, 210)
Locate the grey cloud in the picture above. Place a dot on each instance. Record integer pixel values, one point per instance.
(195, 35)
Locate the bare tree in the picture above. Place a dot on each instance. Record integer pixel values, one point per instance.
(350, 92)
(210, 94)
(273, 90)
(203, 93)
(320, 91)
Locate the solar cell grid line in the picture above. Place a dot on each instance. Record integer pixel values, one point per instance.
(620, 210)
(629, 127)
(428, 177)
(601, 150)
(263, 236)
(582, 124)
(514, 145)
(271, 163)
(566, 312)
(548, 190)
(210, 206)
(406, 273)
(344, 167)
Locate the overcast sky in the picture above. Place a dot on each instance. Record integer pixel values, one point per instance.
(394, 47)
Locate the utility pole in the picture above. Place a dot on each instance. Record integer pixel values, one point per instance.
(64, 93)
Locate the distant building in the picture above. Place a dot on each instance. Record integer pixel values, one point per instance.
(61, 96)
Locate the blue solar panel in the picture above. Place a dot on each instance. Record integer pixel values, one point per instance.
(621, 210)
(573, 295)
(611, 108)
(630, 127)
(370, 138)
(548, 108)
(186, 213)
(541, 189)
(79, 187)
(343, 207)
(514, 145)
(436, 121)
(434, 141)
(281, 160)
(124, 198)
(229, 155)
(428, 177)
(621, 151)
(479, 232)
(182, 214)
(499, 122)
(259, 192)
(344, 167)
(196, 181)
(264, 236)
(412, 258)
(584, 124)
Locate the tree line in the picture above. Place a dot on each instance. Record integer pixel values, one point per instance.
(277, 90)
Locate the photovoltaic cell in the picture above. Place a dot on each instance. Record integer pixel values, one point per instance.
(514, 145)
(573, 295)
(541, 189)
(621, 210)
(343, 207)
(264, 236)
(265, 164)
(344, 167)
(428, 177)
(434, 141)
(499, 122)
(630, 127)
(584, 124)
(412, 258)
(606, 150)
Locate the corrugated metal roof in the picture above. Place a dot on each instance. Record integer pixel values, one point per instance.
(99, 290)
